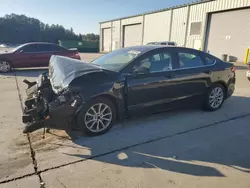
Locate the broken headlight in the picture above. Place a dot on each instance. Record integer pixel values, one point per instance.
(69, 97)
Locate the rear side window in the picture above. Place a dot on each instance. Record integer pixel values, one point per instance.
(56, 48)
(43, 47)
(156, 57)
(190, 60)
(209, 60)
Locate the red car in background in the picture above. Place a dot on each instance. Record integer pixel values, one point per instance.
(35, 54)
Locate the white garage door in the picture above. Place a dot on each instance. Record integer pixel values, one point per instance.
(229, 33)
(106, 33)
(132, 35)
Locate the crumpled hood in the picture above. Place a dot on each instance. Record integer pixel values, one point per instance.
(63, 70)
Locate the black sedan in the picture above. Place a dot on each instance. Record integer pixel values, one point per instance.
(92, 96)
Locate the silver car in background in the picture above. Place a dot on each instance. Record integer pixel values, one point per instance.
(167, 43)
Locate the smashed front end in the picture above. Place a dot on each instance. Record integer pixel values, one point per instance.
(50, 102)
(44, 108)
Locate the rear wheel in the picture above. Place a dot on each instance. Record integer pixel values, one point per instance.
(97, 117)
(215, 97)
(5, 66)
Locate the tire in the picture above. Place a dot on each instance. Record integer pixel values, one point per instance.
(88, 122)
(5, 66)
(248, 78)
(216, 90)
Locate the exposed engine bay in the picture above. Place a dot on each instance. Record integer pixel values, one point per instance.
(44, 108)
(56, 97)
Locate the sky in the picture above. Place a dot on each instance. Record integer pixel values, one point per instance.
(82, 15)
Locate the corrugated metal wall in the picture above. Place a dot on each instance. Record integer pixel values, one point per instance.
(106, 25)
(199, 13)
(116, 34)
(179, 25)
(132, 35)
(130, 21)
(155, 24)
(133, 20)
(157, 27)
(229, 38)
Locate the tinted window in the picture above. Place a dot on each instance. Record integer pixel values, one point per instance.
(37, 48)
(56, 48)
(156, 57)
(163, 43)
(29, 49)
(171, 43)
(117, 59)
(158, 62)
(209, 60)
(43, 47)
(190, 60)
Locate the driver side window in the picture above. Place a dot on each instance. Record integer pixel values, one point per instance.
(158, 62)
(29, 49)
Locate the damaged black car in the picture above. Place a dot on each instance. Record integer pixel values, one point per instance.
(93, 96)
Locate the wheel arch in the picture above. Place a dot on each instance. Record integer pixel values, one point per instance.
(223, 84)
(8, 61)
(118, 103)
(119, 106)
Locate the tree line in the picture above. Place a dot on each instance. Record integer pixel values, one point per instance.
(18, 29)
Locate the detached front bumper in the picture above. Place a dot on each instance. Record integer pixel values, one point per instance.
(45, 109)
(56, 118)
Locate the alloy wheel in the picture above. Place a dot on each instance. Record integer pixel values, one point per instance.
(98, 117)
(4, 66)
(216, 97)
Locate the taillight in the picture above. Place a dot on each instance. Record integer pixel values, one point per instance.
(233, 69)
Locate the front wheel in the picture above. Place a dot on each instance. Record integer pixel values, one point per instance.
(5, 66)
(97, 117)
(215, 97)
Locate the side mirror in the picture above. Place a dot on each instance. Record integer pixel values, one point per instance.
(141, 70)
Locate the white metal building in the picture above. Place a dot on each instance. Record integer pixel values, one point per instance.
(217, 26)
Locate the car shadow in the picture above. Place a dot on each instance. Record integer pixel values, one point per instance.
(191, 151)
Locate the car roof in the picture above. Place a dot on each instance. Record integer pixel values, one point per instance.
(39, 43)
(147, 48)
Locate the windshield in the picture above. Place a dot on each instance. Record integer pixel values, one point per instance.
(18, 47)
(116, 60)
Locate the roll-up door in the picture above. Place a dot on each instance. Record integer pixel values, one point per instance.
(229, 33)
(106, 39)
(132, 35)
